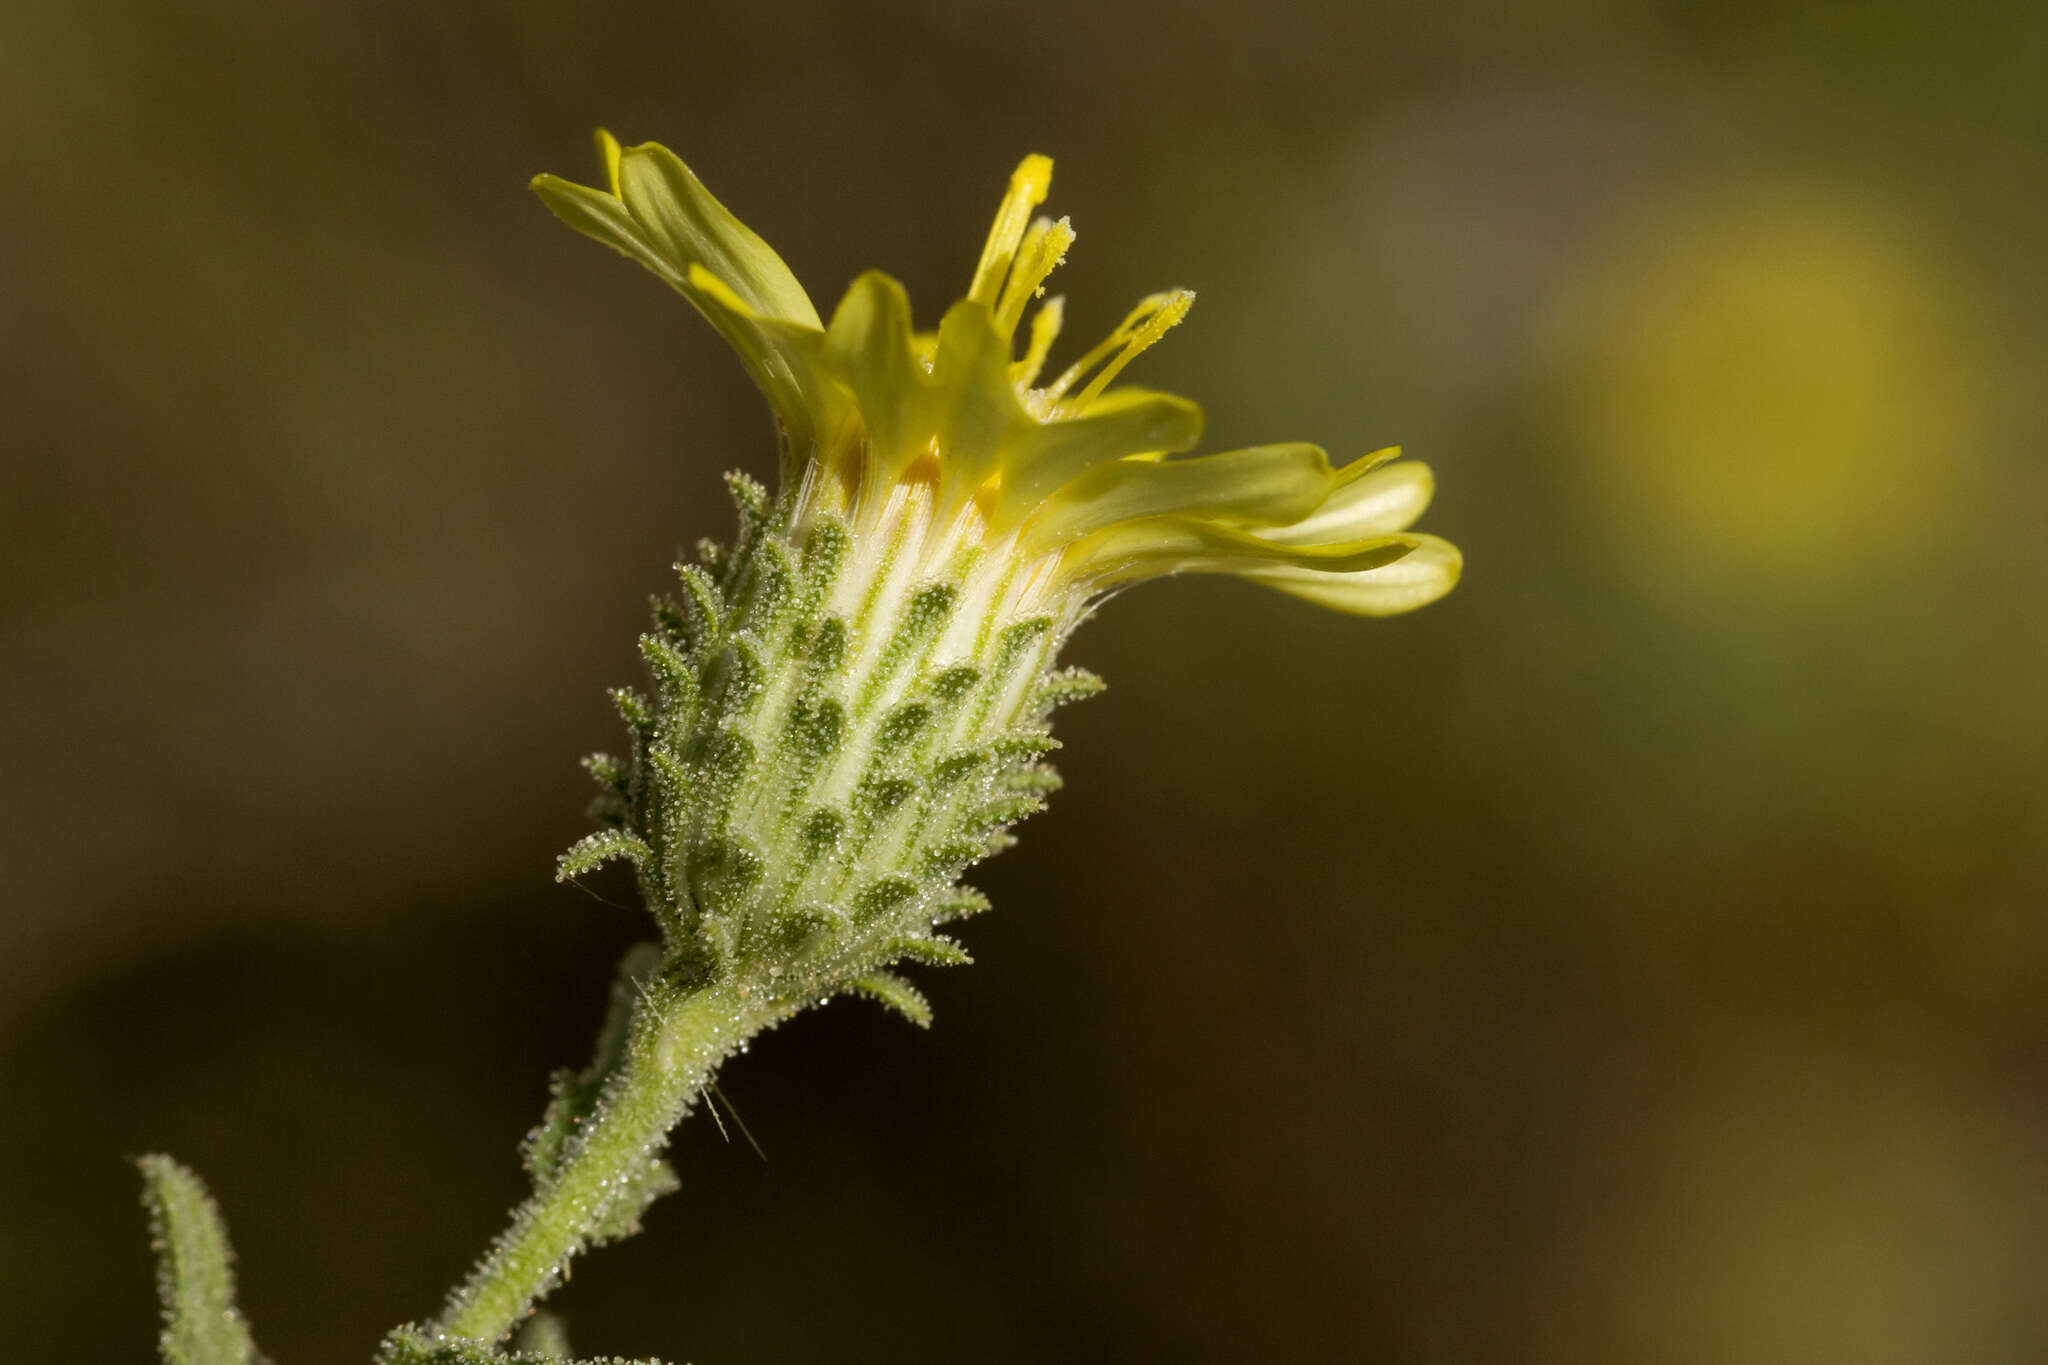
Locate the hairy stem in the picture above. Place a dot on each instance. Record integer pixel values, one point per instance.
(680, 1036)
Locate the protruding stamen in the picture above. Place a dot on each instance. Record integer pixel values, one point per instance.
(1045, 246)
(1153, 318)
(1045, 329)
(1028, 186)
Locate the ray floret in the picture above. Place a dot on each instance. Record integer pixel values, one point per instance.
(945, 446)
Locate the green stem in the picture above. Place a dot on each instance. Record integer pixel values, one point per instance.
(679, 1038)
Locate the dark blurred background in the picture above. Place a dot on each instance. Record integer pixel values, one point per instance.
(1637, 957)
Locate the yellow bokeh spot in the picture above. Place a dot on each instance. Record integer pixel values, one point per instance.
(1771, 388)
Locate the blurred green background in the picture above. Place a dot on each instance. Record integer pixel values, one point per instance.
(1638, 957)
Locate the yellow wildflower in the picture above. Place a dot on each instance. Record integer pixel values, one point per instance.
(948, 458)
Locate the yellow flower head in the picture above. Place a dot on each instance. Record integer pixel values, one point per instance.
(947, 454)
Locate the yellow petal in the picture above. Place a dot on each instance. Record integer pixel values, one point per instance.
(1372, 502)
(971, 410)
(609, 151)
(1029, 184)
(783, 357)
(1420, 577)
(772, 349)
(1158, 546)
(1262, 486)
(1048, 455)
(681, 219)
(869, 348)
(598, 215)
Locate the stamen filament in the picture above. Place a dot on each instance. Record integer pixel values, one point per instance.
(1045, 246)
(1028, 187)
(1134, 334)
(1167, 318)
(1045, 329)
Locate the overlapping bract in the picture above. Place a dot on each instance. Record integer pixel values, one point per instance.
(1078, 470)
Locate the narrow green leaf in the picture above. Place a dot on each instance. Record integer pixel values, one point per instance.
(725, 759)
(701, 602)
(594, 850)
(1003, 812)
(738, 677)
(949, 687)
(951, 858)
(823, 556)
(410, 1346)
(1064, 685)
(825, 651)
(414, 1346)
(773, 591)
(926, 952)
(822, 830)
(879, 795)
(724, 871)
(612, 806)
(1037, 778)
(670, 620)
(195, 1279)
(750, 497)
(959, 903)
(1025, 744)
(815, 733)
(1015, 642)
(924, 616)
(634, 710)
(893, 992)
(674, 775)
(954, 769)
(675, 681)
(881, 897)
(713, 555)
(608, 771)
(901, 728)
